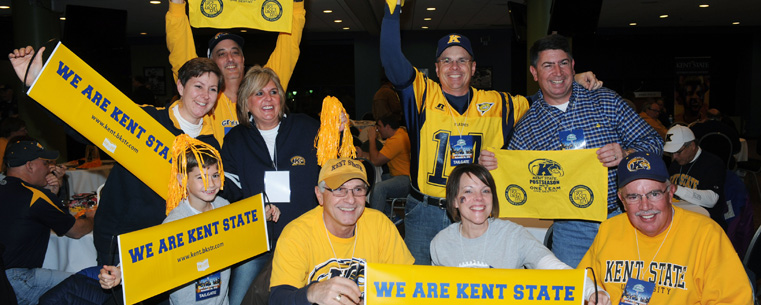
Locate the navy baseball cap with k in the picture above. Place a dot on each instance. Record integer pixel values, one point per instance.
(222, 36)
(20, 152)
(641, 165)
(453, 40)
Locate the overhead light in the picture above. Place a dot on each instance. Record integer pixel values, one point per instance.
(338, 21)
(663, 16)
(424, 27)
(736, 22)
(704, 5)
(62, 18)
(154, 2)
(4, 7)
(143, 33)
(427, 19)
(632, 23)
(430, 9)
(327, 11)
(243, 31)
(346, 28)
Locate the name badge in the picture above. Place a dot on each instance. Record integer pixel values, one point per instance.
(277, 186)
(572, 139)
(208, 287)
(637, 292)
(460, 149)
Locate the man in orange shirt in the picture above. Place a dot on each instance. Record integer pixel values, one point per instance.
(396, 152)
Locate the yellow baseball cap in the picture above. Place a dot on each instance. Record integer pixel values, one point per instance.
(335, 172)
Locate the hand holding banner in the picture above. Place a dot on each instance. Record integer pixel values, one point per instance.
(189, 248)
(92, 106)
(563, 184)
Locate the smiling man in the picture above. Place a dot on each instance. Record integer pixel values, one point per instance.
(321, 256)
(685, 255)
(449, 123)
(564, 115)
(226, 49)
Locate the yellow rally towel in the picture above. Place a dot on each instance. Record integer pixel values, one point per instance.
(400, 284)
(565, 184)
(267, 15)
(82, 98)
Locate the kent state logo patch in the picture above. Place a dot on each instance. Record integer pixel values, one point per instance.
(298, 160)
(545, 167)
(484, 107)
(546, 174)
(581, 196)
(515, 195)
(211, 8)
(272, 10)
(637, 163)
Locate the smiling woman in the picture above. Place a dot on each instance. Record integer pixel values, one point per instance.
(128, 204)
(482, 241)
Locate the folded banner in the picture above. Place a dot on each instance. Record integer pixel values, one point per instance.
(267, 15)
(184, 250)
(87, 102)
(563, 184)
(392, 4)
(401, 284)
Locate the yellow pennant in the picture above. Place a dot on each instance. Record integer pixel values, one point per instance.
(392, 5)
(87, 102)
(170, 255)
(401, 284)
(267, 15)
(564, 184)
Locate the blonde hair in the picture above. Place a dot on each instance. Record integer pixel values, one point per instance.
(256, 78)
(188, 153)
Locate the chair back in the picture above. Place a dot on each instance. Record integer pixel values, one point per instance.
(720, 145)
(752, 259)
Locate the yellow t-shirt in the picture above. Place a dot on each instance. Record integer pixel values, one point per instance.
(693, 263)
(304, 254)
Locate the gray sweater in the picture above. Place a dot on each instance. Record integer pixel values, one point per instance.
(215, 284)
(505, 245)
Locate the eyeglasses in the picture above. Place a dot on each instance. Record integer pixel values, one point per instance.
(343, 191)
(682, 149)
(652, 196)
(446, 61)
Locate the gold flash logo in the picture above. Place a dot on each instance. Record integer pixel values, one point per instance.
(298, 160)
(454, 39)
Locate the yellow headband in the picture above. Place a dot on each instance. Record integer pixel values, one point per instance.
(182, 144)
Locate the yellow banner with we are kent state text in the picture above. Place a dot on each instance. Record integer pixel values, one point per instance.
(402, 284)
(267, 15)
(87, 102)
(562, 184)
(169, 255)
